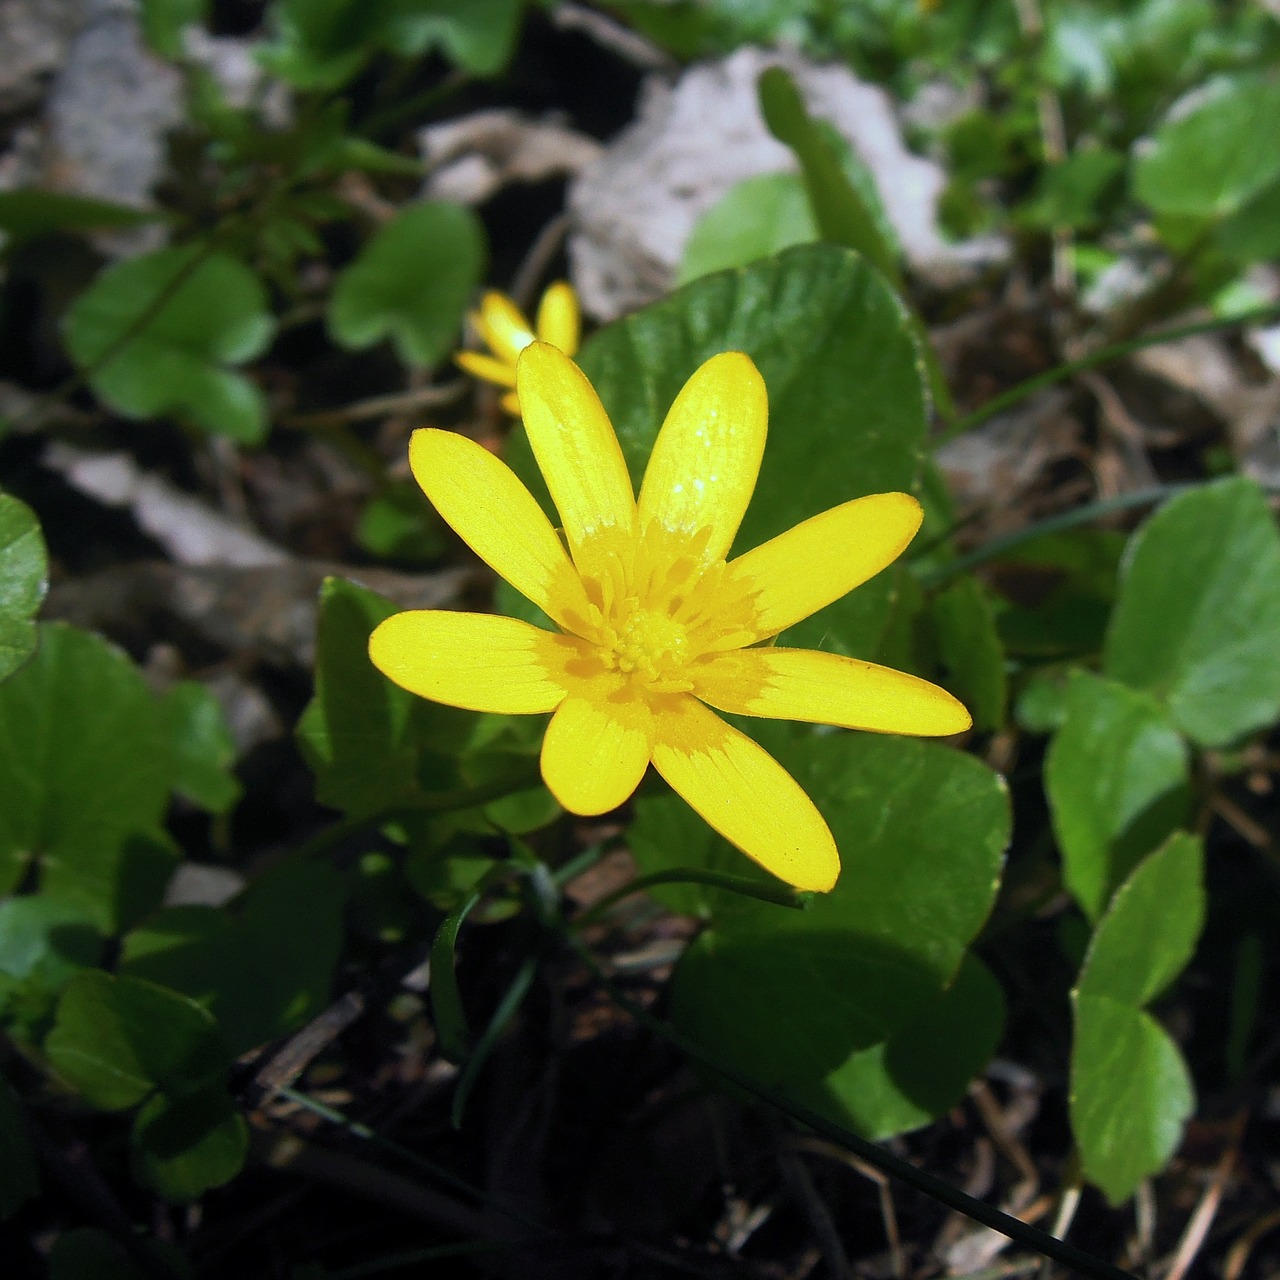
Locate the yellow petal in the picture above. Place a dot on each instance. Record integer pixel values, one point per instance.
(706, 458)
(503, 326)
(745, 794)
(488, 507)
(800, 571)
(487, 367)
(479, 661)
(825, 688)
(559, 321)
(511, 404)
(573, 441)
(595, 754)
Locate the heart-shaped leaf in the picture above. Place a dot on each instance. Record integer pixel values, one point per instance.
(162, 334)
(1197, 621)
(24, 571)
(411, 283)
(1117, 777)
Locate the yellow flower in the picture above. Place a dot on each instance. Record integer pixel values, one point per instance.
(505, 331)
(656, 626)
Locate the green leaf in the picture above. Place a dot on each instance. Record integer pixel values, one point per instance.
(970, 648)
(84, 776)
(28, 213)
(925, 1067)
(846, 401)
(184, 1147)
(320, 44)
(44, 943)
(1197, 621)
(119, 1039)
(477, 35)
(357, 732)
(411, 283)
(1252, 234)
(24, 577)
(757, 217)
(163, 22)
(1070, 194)
(1209, 162)
(789, 995)
(1151, 928)
(1117, 778)
(400, 524)
(262, 965)
(19, 1177)
(161, 334)
(1130, 1094)
(202, 748)
(842, 215)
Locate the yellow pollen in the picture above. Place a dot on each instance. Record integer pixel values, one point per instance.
(655, 606)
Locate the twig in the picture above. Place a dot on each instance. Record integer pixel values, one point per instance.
(612, 35)
(1201, 1220)
(534, 267)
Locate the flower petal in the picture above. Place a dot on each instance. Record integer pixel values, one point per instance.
(825, 557)
(574, 444)
(479, 661)
(502, 325)
(745, 794)
(595, 754)
(826, 688)
(489, 368)
(559, 320)
(706, 458)
(485, 503)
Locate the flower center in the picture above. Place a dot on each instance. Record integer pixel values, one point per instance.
(647, 644)
(656, 607)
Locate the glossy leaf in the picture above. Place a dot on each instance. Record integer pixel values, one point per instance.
(356, 732)
(24, 569)
(1130, 1094)
(117, 1040)
(1197, 621)
(971, 653)
(846, 402)
(44, 943)
(201, 746)
(789, 995)
(184, 1147)
(411, 283)
(262, 965)
(1117, 777)
(925, 1067)
(1151, 928)
(757, 217)
(84, 776)
(162, 334)
(1208, 162)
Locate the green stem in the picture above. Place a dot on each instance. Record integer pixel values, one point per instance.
(1105, 355)
(410, 1157)
(939, 575)
(875, 1155)
(780, 895)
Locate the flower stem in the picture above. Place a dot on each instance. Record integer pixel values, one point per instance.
(780, 895)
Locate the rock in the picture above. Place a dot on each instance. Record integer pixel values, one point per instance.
(634, 207)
